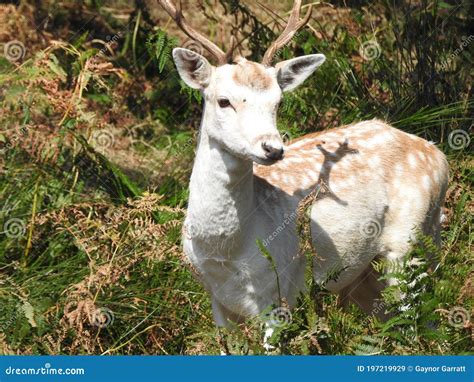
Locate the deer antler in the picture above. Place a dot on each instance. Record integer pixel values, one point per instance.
(177, 16)
(293, 25)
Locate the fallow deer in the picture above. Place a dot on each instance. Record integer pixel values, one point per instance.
(382, 184)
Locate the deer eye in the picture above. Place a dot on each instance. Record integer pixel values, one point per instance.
(223, 102)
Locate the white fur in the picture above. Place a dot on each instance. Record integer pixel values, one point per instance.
(230, 208)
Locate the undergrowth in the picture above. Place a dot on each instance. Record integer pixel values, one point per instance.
(97, 140)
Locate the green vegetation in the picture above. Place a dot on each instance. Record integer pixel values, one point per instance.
(97, 140)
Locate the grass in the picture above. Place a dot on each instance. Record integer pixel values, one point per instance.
(96, 157)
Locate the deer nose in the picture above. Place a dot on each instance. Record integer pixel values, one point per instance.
(272, 152)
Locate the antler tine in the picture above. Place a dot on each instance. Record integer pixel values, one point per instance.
(293, 25)
(178, 17)
(230, 52)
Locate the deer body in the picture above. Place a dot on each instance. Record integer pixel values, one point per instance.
(391, 184)
(380, 186)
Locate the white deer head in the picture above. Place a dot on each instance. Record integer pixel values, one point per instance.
(242, 98)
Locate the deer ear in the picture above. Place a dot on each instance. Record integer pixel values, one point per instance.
(193, 68)
(292, 73)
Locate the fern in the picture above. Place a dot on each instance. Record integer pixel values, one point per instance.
(159, 46)
(369, 346)
(191, 94)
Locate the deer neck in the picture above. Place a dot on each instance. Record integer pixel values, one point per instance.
(221, 196)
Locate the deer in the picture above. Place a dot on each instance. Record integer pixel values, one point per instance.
(381, 185)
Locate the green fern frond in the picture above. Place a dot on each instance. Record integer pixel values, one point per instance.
(159, 46)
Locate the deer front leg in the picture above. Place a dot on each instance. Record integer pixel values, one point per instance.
(366, 293)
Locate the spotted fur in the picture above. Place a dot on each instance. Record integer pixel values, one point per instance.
(406, 159)
(381, 186)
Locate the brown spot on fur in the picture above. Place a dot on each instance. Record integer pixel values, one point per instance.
(304, 159)
(252, 75)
